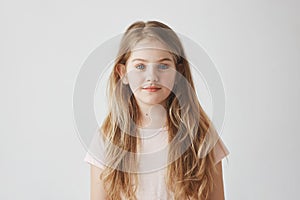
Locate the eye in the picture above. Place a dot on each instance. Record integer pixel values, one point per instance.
(140, 66)
(163, 66)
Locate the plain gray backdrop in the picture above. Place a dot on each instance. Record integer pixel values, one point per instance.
(254, 44)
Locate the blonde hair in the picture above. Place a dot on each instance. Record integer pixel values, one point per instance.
(189, 176)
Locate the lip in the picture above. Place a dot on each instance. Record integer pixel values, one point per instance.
(151, 88)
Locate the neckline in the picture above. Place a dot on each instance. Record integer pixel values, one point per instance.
(153, 129)
(152, 133)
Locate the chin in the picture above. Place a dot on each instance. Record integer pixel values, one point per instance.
(153, 102)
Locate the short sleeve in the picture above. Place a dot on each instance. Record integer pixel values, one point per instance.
(220, 151)
(95, 153)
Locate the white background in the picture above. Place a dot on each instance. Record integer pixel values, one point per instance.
(254, 44)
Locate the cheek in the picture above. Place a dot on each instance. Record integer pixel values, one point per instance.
(168, 80)
(135, 80)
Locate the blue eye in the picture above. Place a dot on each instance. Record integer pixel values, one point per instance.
(140, 66)
(163, 66)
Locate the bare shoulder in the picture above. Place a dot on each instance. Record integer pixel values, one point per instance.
(97, 188)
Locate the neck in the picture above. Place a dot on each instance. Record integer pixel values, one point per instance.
(152, 116)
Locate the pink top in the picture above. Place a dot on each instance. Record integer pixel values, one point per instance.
(154, 142)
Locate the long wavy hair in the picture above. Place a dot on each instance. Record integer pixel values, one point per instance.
(189, 175)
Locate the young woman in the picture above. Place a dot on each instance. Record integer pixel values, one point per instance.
(156, 141)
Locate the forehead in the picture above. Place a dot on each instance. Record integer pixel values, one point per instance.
(150, 50)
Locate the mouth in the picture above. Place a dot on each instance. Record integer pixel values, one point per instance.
(151, 88)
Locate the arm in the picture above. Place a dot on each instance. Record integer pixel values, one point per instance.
(97, 188)
(218, 191)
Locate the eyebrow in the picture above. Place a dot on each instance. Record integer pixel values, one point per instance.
(143, 60)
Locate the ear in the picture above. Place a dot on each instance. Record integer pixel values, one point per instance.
(121, 70)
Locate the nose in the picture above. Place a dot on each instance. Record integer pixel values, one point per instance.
(151, 73)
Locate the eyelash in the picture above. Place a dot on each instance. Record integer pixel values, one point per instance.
(165, 66)
(138, 65)
(159, 65)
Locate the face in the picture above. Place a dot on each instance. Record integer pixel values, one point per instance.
(150, 73)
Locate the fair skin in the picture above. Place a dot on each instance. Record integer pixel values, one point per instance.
(150, 65)
(218, 192)
(150, 72)
(96, 189)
